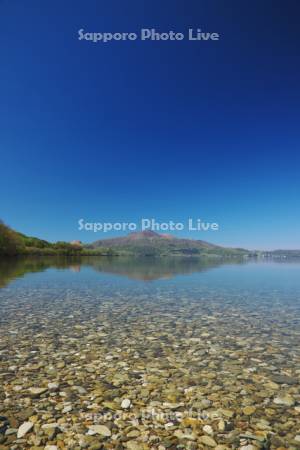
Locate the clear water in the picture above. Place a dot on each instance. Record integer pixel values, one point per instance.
(202, 336)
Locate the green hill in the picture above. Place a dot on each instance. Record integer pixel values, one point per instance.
(13, 243)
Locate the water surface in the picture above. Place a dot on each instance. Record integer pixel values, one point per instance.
(190, 343)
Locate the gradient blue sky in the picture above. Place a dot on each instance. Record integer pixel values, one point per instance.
(171, 130)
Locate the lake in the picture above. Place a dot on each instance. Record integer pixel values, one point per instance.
(120, 353)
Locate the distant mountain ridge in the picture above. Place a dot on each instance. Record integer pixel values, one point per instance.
(152, 243)
(145, 243)
(150, 237)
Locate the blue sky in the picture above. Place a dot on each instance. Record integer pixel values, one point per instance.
(171, 130)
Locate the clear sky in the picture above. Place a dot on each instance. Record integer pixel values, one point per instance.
(171, 130)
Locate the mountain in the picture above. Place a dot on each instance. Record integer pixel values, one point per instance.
(149, 243)
(145, 243)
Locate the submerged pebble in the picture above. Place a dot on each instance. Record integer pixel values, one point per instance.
(24, 428)
(98, 367)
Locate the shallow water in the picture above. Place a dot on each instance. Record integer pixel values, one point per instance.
(206, 353)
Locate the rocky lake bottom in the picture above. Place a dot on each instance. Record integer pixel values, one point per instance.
(205, 360)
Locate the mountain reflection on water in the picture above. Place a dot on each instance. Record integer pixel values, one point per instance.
(144, 269)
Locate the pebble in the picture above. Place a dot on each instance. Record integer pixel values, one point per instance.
(99, 429)
(208, 430)
(284, 379)
(24, 428)
(133, 445)
(53, 386)
(181, 435)
(67, 409)
(46, 426)
(249, 410)
(286, 400)
(11, 431)
(125, 403)
(221, 425)
(133, 434)
(207, 440)
(36, 391)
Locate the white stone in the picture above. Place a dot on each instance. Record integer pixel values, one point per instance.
(206, 440)
(208, 430)
(286, 400)
(126, 403)
(99, 429)
(133, 445)
(10, 431)
(180, 435)
(51, 447)
(18, 388)
(53, 386)
(67, 409)
(24, 428)
(80, 389)
(50, 425)
(37, 391)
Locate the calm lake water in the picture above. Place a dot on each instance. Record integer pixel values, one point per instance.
(149, 353)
